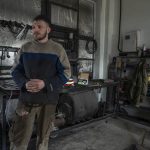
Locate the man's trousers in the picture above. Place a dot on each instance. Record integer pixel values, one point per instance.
(22, 126)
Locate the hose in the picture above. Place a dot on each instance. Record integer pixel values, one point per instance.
(94, 46)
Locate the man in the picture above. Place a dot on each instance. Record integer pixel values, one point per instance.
(40, 70)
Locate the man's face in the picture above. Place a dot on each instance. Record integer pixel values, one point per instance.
(40, 30)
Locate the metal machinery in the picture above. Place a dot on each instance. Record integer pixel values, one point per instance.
(78, 106)
(132, 71)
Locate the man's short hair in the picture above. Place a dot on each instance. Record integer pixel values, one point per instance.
(43, 18)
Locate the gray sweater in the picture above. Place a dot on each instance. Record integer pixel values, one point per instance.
(47, 62)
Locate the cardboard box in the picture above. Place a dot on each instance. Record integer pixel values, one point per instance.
(83, 78)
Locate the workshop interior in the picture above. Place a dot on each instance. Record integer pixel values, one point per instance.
(105, 105)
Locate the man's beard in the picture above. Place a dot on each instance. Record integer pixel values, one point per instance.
(41, 37)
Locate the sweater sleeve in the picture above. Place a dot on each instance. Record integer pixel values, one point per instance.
(17, 71)
(63, 70)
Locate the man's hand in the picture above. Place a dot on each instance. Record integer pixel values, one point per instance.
(35, 85)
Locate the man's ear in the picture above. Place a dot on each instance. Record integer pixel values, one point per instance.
(48, 30)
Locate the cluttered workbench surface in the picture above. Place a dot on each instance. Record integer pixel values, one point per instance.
(9, 85)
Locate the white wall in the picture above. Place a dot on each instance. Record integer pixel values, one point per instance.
(136, 15)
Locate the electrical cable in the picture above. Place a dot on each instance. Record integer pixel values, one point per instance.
(94, 46)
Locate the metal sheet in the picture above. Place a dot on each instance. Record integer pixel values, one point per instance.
(63, 17)
(86, 17)
(8, 39)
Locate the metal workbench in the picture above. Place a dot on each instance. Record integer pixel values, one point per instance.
(9, 91)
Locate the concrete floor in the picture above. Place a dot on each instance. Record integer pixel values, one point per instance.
(108, 134)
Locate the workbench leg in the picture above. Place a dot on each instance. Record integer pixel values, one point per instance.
(116, 100)
(4, 124)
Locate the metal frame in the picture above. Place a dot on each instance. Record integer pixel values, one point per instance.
(61, 32)
(8, 48)
(6, 96)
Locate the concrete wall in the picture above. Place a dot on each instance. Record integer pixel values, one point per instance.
(135, 16)
(106, 35)
(107, 21)
(22, 11)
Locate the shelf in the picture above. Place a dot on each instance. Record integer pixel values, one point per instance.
(85, 37)
(80, 59)
(139, 57)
